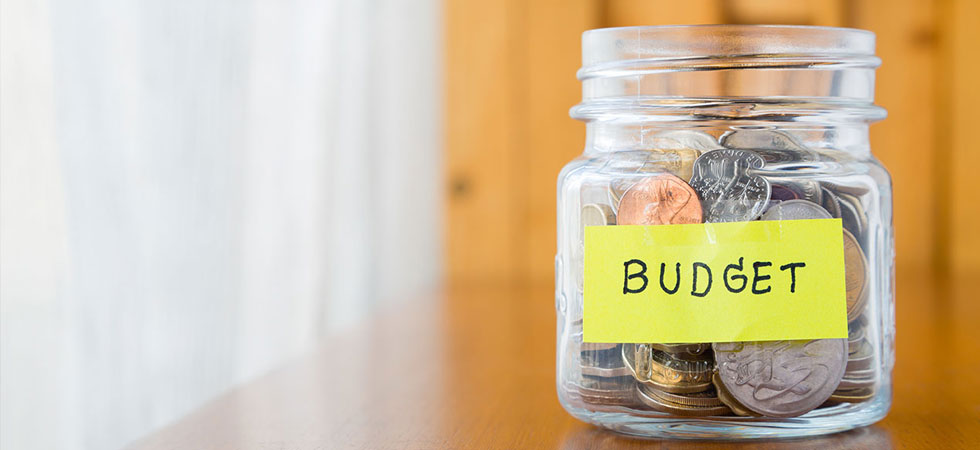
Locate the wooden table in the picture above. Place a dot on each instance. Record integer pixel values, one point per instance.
(474, 368)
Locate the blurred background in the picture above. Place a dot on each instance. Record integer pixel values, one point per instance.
(192, 193)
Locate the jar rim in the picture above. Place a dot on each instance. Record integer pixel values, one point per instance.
(604, 45)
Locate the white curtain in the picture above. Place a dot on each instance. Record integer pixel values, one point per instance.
(193, 192)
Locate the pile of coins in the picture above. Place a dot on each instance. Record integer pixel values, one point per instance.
(691, 177)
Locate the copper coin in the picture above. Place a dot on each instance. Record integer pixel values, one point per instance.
(659, 200)
(658, 370)
(855, 276)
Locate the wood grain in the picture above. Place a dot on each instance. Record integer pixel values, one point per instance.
(905, 142)
(483, 139)
(959, 70)
(474, 368)
(510, 78)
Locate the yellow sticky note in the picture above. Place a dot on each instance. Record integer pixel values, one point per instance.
(742, 281)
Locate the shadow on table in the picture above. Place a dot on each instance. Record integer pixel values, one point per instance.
(590, 437)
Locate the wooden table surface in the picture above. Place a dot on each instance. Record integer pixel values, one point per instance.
(474, 368)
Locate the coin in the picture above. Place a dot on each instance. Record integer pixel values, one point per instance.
(855, 276)
(795, 210)
(728, 191)
(683, 139)
(780, 193)
(676, 150)
(856, 190)
(856, 330)
(678, 161)
(606, 372)
(650, 398)
(661, 371)
(625, 162)
(852, 214)
(659, 200)
(603, 362)
(597, 214)
(781, 378)
(861, 382)
(852, 395)
(862, 359)
(607, 391)
(793, 189)
(830, 202)
(686, 351)
(703, 399)
(726, 397)
(810, 190)
(774, 146)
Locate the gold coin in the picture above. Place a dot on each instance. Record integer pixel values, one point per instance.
(703, 399)
(726, 397)
(675, 388)
(657, 369)
(656, 402)
(685, 351)
(855, 276)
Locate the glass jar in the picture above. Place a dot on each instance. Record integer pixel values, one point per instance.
(726, 126)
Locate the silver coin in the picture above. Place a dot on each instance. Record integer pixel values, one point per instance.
(809, 189)
(858, 362)
(857, 190)
(853, 215)
(682, 139)
(830, 202)
(857, 383)
(729, 191)
(855, 335)
(597, 214)
(781, 378)
(628, 163)
(783, 189)
(602, 359)
(795, 210)
(774, 146)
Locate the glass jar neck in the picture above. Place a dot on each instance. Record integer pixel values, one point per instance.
(606, 137)
(816, 83)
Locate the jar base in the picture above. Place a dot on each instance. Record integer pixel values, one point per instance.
(816, 423)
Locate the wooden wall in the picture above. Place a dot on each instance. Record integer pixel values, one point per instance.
(510, 81)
